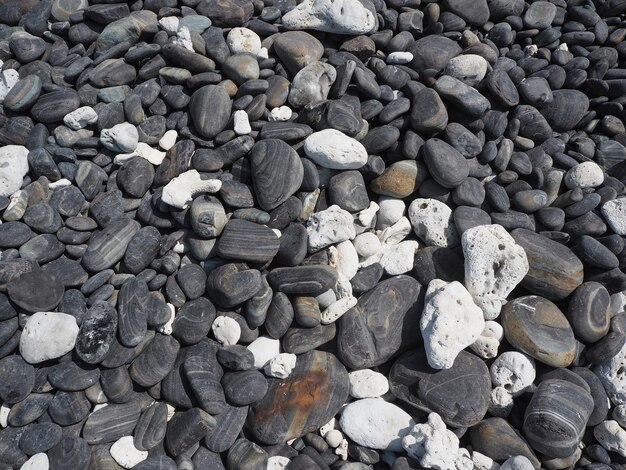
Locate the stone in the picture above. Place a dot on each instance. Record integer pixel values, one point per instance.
(611, 436)
(182, 189)
(432, 222)
(47, 335)
(589, 312)
(246, 241)
(107, 247)
(297, 49)
(210, 109)
(226, 330)
(286, 412)
(366, 383)
(584, 175)
(432, 444)
(375, 423)
(540, 16)
(264, 349)
(497, 439)
(23, 94)
(155, 360)
(567, 108)
(243, 40)
(126, 454)
(80, 118)
(245, 387)
(53, 106)
(449, 323)
(537, 327)
(445, 164)
(333, 149)
(18, 379)
(122, 138)
(14, 167)
(491, 275)
(312, 84)
(469, 68)
(611, 374)
(400, 179)
(330, 226)
(230, 285)
(246, 454)
(323, 15)
(462, 96)
(111, 422)
(49, 290)
(96, 333)
(513, 371)
(614, 213)
(428, 113)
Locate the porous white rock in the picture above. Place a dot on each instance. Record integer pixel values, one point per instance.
(618, 303)
(169, 24)
(80, 118)
(500, 402)
(432, 222)
(366, 244)
(226, 330)
(375, 423)
(241, 123)
(332, 16)
(487, 344)
(366, 383)
(482, 462)
(494, 265)
(122, 138)
(335, 310)
(514, 371)
(619, 415)
(168, 140)
(333, 438)
(342, 449)
(36, 462)
(518, 462)
(264, 349)
(399, 57)
(181, 190)
(432, 444)
(126, 454)
(396, 233)
(612, 374)
(332, 424)
(8, 79)
(469, 68)
(243, 40)
(391, 210)
(335, 150)
(450, 322)
(344, 258)
(59, 183)
(281, 365)
(366, 216)
(584, 175)
(13, 168)
(47, 335)
(281, 114)
(5, 409)
(143, 150)
(611, 436)
(277, 462)
(398, 259)
(330, 226)
(183, 38)
(342, 288)
(614, 213)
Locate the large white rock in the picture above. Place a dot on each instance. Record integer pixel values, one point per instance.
(366, 383)
(432, 222)
(614, 213)
(514, 371)
(13, 168)
(181, 190)
(122, 138)
(612, 374)
(281, 365)
(80, 118)
(432, 444)
(584, 175)
(243, 40)
(8, 79)
(450, 322)
(398, 259)
(330, 226)
(335, 150)
(390, 210)
(36, 462)
(264, 349)
(469, 68)
(375, 423)
(126, 454)
(47, 335)
(494, 265)
(611, 436)
(331, 16)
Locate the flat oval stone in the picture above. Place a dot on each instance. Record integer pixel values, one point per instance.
(383, 321)
(433, 52)
(72, 377)
(600, 398)
(460, 394)
(151, 427)
(446, 165)
(245, 387)
(52, 107)
(203, 372)
(17, 379)
(210, 108)
(277, 172)
(24, 94)
(29, 409)
(497, 439)
(40, 437)
(186, 429)
(107, 247)
(428, 113)
(229, 425)
(554, 270)
(537, 327)
(589, 312)
(142, 249)
(155, 361)
(303, 280)
(48, 287)
(297, 49)
(67, 408)
(42, 248)
(193, 321)
(230, 285)
(132, 307)
(400, 179)
(567, 108)
(246, 454)
(246, 241)
(312, 394)
(111, 422)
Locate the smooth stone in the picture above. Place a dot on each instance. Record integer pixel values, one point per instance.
(231, 285)
(600, 398)
(70, 452)
(595, 254)
(497, 439)
(48, 287)
(378, 326)
(132, 309)
(606, 349)
(72, 377)
(29, 409)
(67, 408)
(459, 394)
(536, 91)
(554, 270)
(537, 327)
(445, 164)
(400, 179)
(462, 96)
(214, 98)
(14, 168)
(245, 454)
(433, 52)
(40, 437)
(23, 94)
(502, 88)
(203, 372)
(186, 429)
(333, 149)
(246, 241)
(111, 422)
(112, 72)
(107, 247)
(142, 249)
(245, 387)
(469, 68)
(312, 84)
(540, 15)
(47, 335)
(155, 361)
(53, 106)
(151, 427)
(303, 280)
(227, 429)
(136, 176)
(17, 379)
(42, 218)
(68, 271)
(474, 13)
(294, 406)
(589, 312)
(297, 49)
(567, 108)
(323, 15)
(236, 357)
(193, 321)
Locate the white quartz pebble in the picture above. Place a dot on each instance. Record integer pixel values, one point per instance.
(264, 349)
(226, 330)
(366, 383)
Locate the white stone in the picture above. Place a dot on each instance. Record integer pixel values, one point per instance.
(450, 322)
(500, 402)
(143, 150)
(366, 216)
(5, 409)
(344, 258)
(281, 114)
(264, 53)
(366, 383)
(47, 335)
(332, 424)
(342, 288)
(169, 24)
(8, 79)
(126, 454)
(463, 460)
(584, 175)
(367, 244)
(241, 123)
(335, 310)
(167, 327)
(330, 226)
(333, 149)
(398, 259)
(396, 233)
(281, 365)
(611, 436)
(612, 374)
(326, 299)
(171, 411)
(469, 68)
(432, 222)
(432, 444)
(80, 118)
(531, 50)
(243, 40)
(122, 138)
(391, 210)
(60, 183)
(494, 266)
(13, 168)
(514, 371)
(338, 16)
(487, 344)
(226, 330)
(333, 438)
(482, 462)
(36, 462)
(614, 213)
(399, 58)
(342, 449)
(264, 349)
(181, 190)
(277, 462)
(183, 38)
(618, 303)
(518, 462)
(375, 423)
(168, 140)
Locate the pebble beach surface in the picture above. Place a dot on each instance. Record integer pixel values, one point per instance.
(326, 234)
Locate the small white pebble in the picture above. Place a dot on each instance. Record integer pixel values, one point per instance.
(166, 328)
(169, 24)
(277, 462)
(264, 349)
(171, 411)
(366, 383)
(60, 183)
(4, 415)
(281, 365)
(282, 113)
(367, 244)
(226, 330)
(241, 123)
(326, 428)
(168, 140)
(243, 40)
(126, 454)
(399, 58)
(333, 438)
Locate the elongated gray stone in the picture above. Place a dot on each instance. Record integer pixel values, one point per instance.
(111, 422)
(108, 246)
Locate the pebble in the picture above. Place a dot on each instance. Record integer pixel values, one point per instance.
(330, 226)
(614, 212)
(611, 436)
(432, 444)
(333, 149)
(14, 168)
(126, 454)
(445, 164)
(366, 383)
(281, 365)
(469, 68)
(47, 335)
(589, 312)
(213, 97)
(432, 222)
(400, 179)
(226, 330)
(49, 287)
(514, 371)
(122, 138)
(322, 15)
